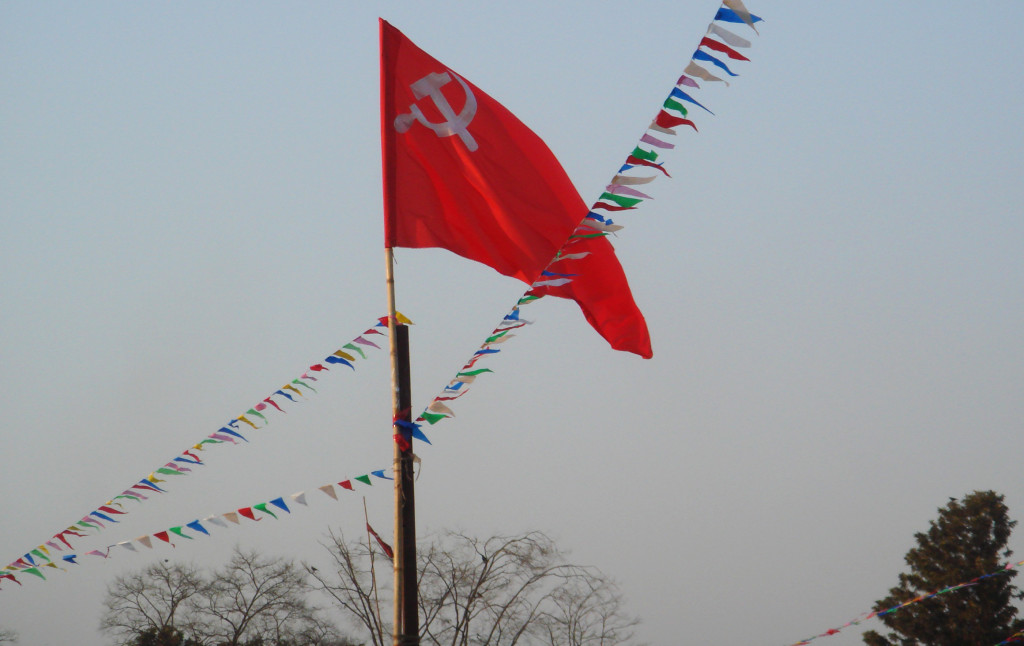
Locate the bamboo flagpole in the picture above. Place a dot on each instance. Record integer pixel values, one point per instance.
(405, 627)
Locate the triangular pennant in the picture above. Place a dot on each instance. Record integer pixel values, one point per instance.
(303, 384)
(696, 70)
(432, 418)
(701, 55)
(253, 411)
(179, 530)
(216, 520)
(333, 359)
(279, 502)
(741, 11)
(725, 49)
(247, 512)
(363, 341)
(199, 528)
(438, 407)
(243, 418)
(235, 433)
(728, 36)
(263, 507)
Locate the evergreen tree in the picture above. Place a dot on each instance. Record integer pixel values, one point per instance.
(966, 542)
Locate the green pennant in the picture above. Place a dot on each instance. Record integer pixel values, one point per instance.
(40, 554)
(169, 472)
(473, 373)
(672, 104)
(497, 336)
(263, 507)
(621, 200)
(179, 532)
(302, 383)
(253, 411)
(36, 572)
(590, 235)
(432, 418)
(355, 348)
(528, 298)
(364, 479)
(647, 155)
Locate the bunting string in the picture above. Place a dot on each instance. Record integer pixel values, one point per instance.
(1006, 569)
(621, 194)
(256, 417)
(274, 508)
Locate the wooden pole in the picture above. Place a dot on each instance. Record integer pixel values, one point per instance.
(405, 629)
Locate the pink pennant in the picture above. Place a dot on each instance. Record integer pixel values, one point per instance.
(687, 81)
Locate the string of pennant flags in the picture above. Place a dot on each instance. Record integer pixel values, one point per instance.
(182, 464)
(47, 562)
(1006, 569)
(621, 194)
(624, 192)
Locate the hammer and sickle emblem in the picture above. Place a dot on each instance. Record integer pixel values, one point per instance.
(454, 124)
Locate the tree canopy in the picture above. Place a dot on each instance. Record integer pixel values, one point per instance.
(967, 541)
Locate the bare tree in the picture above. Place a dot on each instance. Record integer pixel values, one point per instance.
(354, 589)
(8, 636)
(254, 599)
(152, 601)
(251, 601)
(500, 591)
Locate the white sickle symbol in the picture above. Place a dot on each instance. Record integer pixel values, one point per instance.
(454, 124)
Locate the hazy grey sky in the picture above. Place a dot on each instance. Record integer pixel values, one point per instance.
(190, 200)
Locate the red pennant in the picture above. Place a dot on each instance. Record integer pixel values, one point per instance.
(636, 161)
(722, 47)
(346, 484)
(247, 512)
(273, 403)
(666, 120)
(164, 536)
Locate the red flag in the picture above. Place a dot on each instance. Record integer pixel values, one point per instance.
(462, 173)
